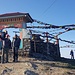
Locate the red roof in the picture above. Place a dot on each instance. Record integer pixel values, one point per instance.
(12, 14)
(16, 14)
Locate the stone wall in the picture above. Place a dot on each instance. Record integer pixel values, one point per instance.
(45, 48)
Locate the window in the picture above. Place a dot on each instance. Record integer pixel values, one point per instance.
(15, 19)
(0, 20)
(3, 20)
(11, 19)
(7, 20)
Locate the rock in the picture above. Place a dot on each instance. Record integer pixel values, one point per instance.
(34, 66)
(28, 72)
(70, 73)
(6, 71)
(28, 64)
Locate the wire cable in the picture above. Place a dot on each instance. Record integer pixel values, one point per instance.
(49, 7)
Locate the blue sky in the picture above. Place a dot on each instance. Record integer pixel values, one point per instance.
(62, 12)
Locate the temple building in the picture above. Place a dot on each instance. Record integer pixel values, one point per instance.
(20, 20)
(15, 20)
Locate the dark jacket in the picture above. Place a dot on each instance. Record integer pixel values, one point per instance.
(7, 43)
(71, 53)
(3, 35)
(17, 42)
(0, 44)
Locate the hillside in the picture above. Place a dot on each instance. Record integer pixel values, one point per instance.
(38, 66)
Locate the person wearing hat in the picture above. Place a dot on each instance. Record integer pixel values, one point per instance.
(16, 47)
(3, 34)
(6, 47)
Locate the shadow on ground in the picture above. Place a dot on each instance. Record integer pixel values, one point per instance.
(50, 61)
(55, 61)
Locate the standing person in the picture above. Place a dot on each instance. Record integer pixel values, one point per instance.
(0, 42)
(4, 33)
(72, 54)
(6, 47)
(16, 47)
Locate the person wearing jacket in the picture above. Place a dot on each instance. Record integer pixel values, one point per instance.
(0, 42)
(6, 47)
(72, 54)
(16, 47)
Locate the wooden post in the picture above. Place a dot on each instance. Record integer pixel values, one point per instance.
(34, 44)
(47, 43)
(58, 50)
(46, 36)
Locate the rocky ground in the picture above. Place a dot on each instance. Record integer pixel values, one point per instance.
(38, 66)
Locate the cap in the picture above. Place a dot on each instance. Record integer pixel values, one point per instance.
(4, 30)
(16, 35)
